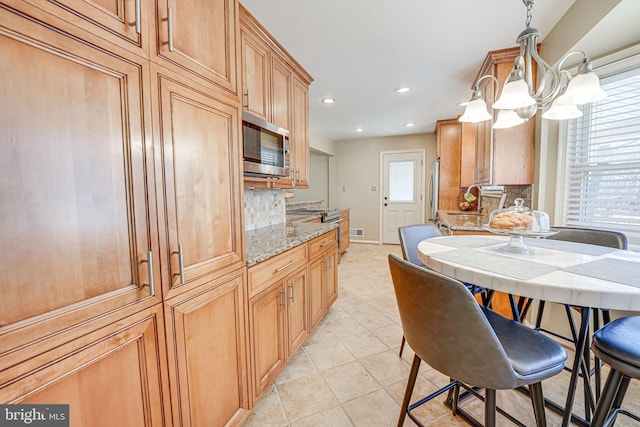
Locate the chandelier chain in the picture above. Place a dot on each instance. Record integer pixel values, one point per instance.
(529, 5)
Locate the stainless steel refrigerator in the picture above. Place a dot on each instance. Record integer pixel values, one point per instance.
(434, 186)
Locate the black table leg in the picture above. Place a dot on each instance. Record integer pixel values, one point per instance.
(578, 361)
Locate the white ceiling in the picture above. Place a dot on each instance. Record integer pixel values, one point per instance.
(358, 51)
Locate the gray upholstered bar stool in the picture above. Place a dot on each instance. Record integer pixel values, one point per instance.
(476, 347)
(618, 345)
(410, 236)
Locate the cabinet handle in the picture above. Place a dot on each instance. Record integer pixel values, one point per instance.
(326, 243)
(287, 265)
(247, 106)
(330, 260)
(170, 22)
(152, 285)
(284, 298)
(181, 263)
(292, 286)
(297, 175)
(138, 24)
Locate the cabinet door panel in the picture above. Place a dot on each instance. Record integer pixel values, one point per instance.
(255, 73)
(331, 285)
(203, 38)
(300, 134)
(316, 290)
(280, 93)
(76, 221)
(208, 365)
(122, 22)
(267, 338)
(203, 204)
(127, 356)
(297, 310)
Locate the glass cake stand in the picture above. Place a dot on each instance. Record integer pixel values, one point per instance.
(516, 238)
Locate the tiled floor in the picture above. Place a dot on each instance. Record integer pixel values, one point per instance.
(348, 372)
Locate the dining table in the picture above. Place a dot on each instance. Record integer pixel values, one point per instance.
(584, 276)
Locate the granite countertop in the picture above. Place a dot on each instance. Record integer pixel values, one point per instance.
(463, 220)
(266, 242)
(301, 217)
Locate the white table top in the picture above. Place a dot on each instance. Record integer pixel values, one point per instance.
(555, 271)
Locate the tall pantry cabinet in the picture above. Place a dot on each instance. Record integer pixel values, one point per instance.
(122, 273)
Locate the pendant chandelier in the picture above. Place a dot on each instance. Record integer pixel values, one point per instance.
(557, 90)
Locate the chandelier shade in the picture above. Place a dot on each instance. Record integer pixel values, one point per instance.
(507, 119)
(520, 99)
(476, 111)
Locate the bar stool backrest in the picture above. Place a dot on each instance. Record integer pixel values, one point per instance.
(411, 235)
(592, 236)
(447, 329)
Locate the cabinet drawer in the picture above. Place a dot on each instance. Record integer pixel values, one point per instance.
(263, 274)
(323, 243)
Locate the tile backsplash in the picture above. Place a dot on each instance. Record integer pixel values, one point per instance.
(263, 208)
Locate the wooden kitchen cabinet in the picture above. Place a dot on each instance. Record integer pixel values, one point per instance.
(200, 183)
(199, 37)
(300, 134)
(345, 227)
(448, 150)
(503, 156)
(281, 86)
(206, 336)
(276, 88)
(126, 23)
(323, 274)
(79, 230)
(112, 376)
(256, 72)
(278, 314)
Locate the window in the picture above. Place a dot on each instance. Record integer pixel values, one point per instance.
(602, 169)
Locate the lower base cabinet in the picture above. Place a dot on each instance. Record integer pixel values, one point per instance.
(207, 359)
(323, 275)
(287, 297)
(279, 324)
(113, 376)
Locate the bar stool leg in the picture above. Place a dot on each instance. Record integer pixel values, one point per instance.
(490, 408)
(537, 400)
(411, 382)
(607, 397)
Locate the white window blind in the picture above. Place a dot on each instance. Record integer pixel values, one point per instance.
(603, 159)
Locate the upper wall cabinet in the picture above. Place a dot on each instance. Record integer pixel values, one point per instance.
(199, 36)
(201, 181)
(79, 233)
(503, 156)
(126, 23)
(276, 88)
(256, 74)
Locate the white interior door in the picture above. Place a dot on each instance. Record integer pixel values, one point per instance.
(402, 192)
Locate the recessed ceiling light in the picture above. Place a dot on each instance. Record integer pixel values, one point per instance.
(402, 90)
(359, 130)
(328, 100)
(409, 125)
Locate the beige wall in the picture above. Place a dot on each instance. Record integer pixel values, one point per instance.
(358, 169)
(319, 179)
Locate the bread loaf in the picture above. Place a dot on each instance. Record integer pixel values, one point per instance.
(511, 221)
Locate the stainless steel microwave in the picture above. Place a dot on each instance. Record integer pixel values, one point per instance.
(265, 147)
